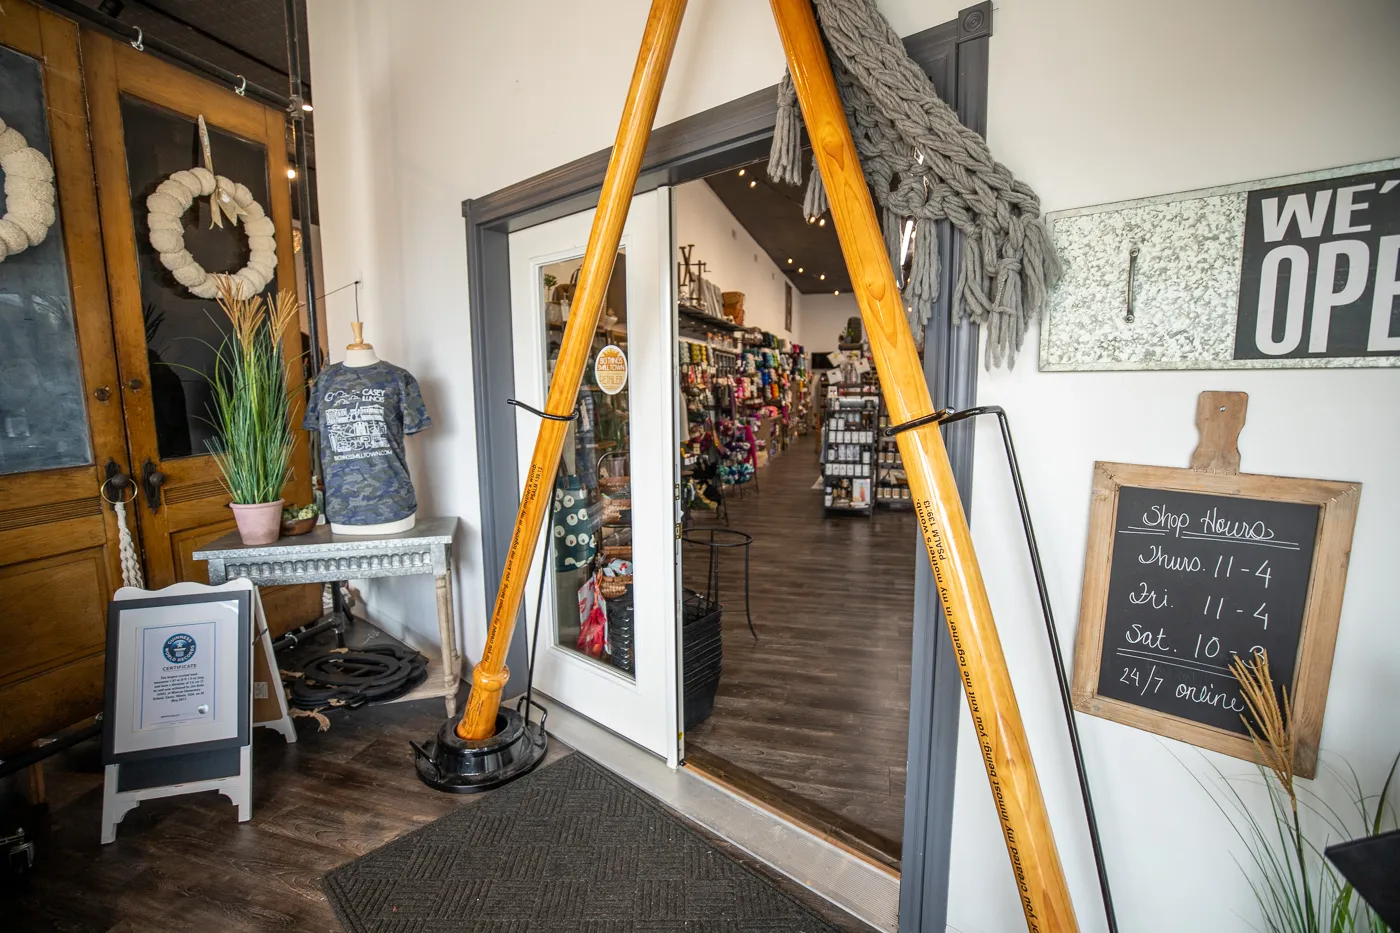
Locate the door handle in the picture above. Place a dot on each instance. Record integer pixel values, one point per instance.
(151, 481)
(115, 484)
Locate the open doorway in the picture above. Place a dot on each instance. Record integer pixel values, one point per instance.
(796, 519)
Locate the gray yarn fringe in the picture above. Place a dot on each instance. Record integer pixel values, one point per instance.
(922, 164)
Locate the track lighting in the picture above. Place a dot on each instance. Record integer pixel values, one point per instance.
(753, 184)
(822, 277)
(742, 171)
(789, 262)
(822, 222)
(799, 270)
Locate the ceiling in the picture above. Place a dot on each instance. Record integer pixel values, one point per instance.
(771, 212)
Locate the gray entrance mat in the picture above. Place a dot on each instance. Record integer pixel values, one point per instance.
(570, 848)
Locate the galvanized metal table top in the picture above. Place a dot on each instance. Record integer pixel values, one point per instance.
(320, 556)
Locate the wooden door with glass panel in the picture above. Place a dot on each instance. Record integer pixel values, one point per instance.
(144, 128)
(60, 416)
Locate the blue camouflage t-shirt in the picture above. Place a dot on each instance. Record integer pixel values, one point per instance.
(362, 414)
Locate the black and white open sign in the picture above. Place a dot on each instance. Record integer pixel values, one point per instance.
(1321, 272)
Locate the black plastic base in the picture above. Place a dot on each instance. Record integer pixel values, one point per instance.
(461, 766)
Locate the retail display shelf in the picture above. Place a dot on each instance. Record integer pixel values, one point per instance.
(694, 314)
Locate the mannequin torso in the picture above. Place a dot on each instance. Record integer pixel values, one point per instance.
(359, 354)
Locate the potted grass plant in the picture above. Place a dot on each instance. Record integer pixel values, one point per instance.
(1297, 889)
(251, 410)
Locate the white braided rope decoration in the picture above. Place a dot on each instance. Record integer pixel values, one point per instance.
(167, 205)
(29, 194)
(131, 564)
(922, 163)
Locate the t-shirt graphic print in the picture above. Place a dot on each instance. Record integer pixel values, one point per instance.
(362, 414)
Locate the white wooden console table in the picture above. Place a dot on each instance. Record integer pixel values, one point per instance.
(322, 557)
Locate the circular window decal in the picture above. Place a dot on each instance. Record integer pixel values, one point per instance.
(610, 369)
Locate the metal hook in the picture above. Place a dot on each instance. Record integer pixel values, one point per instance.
(140, 43)
(1129, 315)
(242, 89)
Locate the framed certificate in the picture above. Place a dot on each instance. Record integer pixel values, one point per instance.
(178, 670)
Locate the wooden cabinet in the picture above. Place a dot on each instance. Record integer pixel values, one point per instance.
(86, 314)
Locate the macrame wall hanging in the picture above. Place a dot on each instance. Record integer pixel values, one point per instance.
(28, 211)
(165, 210)
(923, 165)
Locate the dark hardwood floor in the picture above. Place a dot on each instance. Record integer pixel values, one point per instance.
(186, 864)
(819, 707)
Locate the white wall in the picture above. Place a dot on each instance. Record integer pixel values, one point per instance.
(733, 260)
(1095, 101)
(422, 103)
(824, 317)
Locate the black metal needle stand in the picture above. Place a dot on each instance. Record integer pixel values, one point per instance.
(455, 765)
(949, 416)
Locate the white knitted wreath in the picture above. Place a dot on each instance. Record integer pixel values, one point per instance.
(168, 204)
(29, 194)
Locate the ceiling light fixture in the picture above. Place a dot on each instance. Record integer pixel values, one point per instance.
(753, 184)
(822, 222)
(799, 270)
(837, 292)
(291, 173)
(306, 105)
(742, 171)
(789, 262)
(822, 277)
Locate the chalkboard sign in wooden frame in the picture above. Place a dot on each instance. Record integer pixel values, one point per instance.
(1171, 586)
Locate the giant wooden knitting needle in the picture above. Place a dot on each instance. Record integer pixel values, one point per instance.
(1001, 734)
(658, 42)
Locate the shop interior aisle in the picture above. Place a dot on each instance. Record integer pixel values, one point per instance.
(813, 717)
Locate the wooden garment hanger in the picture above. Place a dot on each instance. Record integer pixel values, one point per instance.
(1001, 733)
(358, 329)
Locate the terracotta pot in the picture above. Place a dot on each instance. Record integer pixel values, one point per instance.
(259, 523)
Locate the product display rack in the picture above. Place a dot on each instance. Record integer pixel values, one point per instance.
(891, 484)
(745, 396)
(850, 431)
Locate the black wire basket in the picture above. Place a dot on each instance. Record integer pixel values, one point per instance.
(702, 655)
(621, 613)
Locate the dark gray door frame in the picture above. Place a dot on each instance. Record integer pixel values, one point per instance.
(955, 55)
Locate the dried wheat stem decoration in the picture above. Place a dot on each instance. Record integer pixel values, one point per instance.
(1274, 740)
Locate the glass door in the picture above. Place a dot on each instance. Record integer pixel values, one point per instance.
(608, 649)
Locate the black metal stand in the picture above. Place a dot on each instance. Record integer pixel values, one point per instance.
(729, 538)
(337, 620)
(949, 416)
(456, 765)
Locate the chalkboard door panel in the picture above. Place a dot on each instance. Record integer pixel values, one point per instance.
(1187, 570)
(60, 422)
(144, 122)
